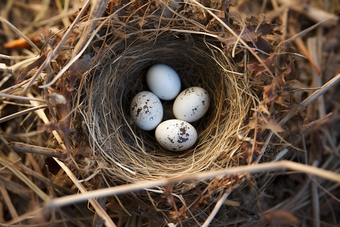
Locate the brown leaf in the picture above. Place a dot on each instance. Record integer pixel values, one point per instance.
(181, 213)
(249, 34)
(269, 92)
(262, 44)
(274, 126)
(202, 200)
(257, 69)
(213, 185)
(280, 217)
(283, 76)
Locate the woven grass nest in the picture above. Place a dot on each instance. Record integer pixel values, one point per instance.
(122, 56)
(127, 153)
(131, 154)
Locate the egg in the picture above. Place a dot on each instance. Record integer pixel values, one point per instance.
(176, 135)
(191, 104)
(163, 81)
(146, 110)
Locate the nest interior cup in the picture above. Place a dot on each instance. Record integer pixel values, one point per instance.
(128, 153)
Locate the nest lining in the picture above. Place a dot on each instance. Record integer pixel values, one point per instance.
(128, 153)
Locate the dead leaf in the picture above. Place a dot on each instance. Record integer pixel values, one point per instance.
(280, 217)
(269, 92)
(20, 43)
(181, 214)
(250, 34)
(257, 69)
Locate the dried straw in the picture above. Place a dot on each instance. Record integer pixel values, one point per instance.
(129, 154)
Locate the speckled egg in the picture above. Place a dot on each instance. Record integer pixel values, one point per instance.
(191, 104)
(176, 135)
(146, 110)
(163, 81)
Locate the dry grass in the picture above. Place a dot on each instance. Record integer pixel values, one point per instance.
(91, 64)
(130, 154)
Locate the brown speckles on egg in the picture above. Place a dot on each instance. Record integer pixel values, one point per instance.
(182, 131)
(146, 110)
(138, 111)
(171, 140)
(191, 104)
(176, 135)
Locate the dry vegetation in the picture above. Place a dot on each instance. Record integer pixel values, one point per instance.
(268, 151)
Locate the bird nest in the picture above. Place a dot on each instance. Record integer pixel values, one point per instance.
(131, 154)
(114, 71)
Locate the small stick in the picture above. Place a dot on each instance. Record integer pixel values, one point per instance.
(217, 208)
(315, 201)
(262, 167)
(8, 201)
(3, 56)
(3, 95)
(9, 117)
(26, 148)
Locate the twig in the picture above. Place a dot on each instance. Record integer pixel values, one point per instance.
(13, 57)
(313, 123)
(291, 39)
(23, 112)
(26, 148)
(8, 201)
(262, 167)
(97, 9)
(3, 95)
(216, 208)
(303, 49)
(315, 201)
(314, 14)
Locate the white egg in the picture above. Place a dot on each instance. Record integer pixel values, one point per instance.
(146, 110)
(163, 81)
(176, 135)
(191, 104)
